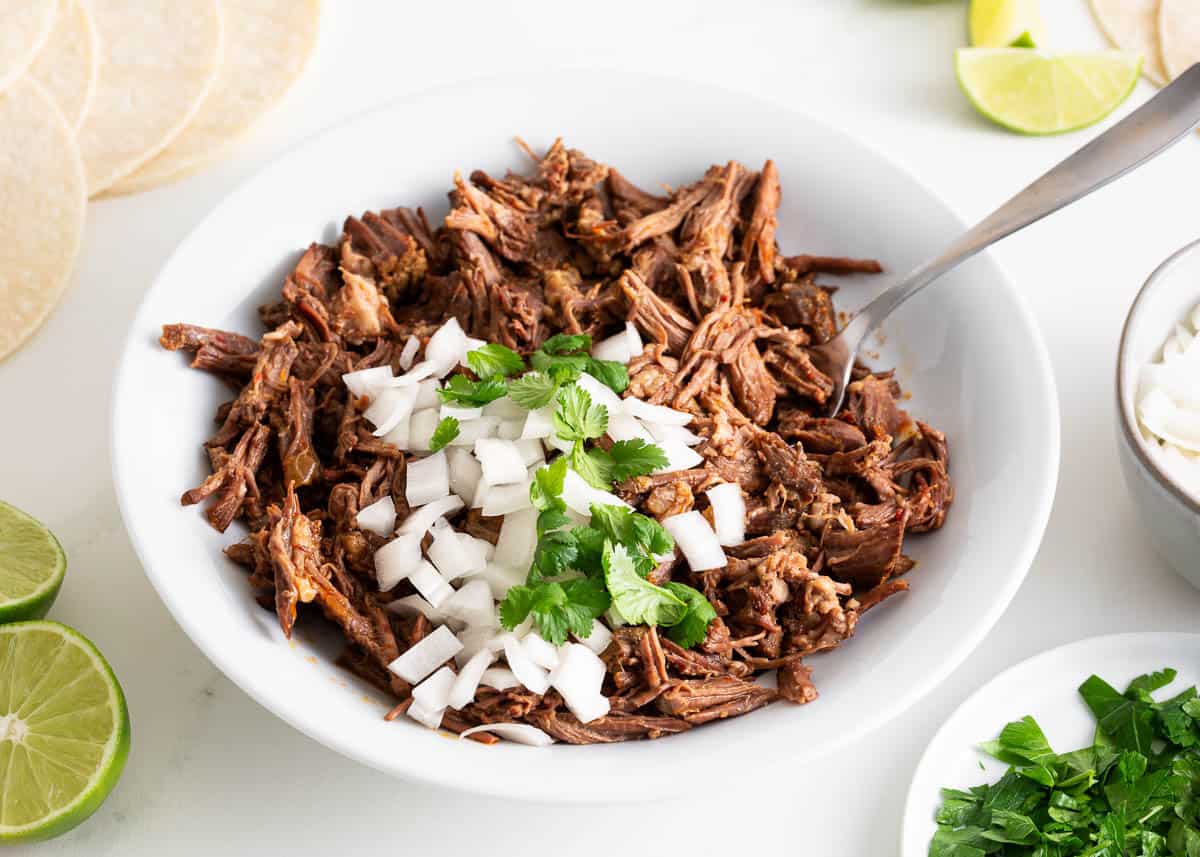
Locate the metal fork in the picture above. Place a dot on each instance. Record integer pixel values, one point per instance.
(1148, 131)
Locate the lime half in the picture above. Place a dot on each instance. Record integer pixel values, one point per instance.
(32, 564)
(1001, 23)
(64, 730)
(1037, 93)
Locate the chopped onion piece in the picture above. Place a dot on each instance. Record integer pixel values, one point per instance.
(447, 347)
(579, 496)
(451, 557)
(421, 519)
(419, 372)
(473, 604)
(614, 348)
(474, 640)
(656, 413)
(1168, 421)
(431, 694)
(499, 678)
(409, 353)
(427, 479)
(367, 382)
(518, 733)
(540, 651)
(472, 344)
(625, 427)
(465, 472)
(421, 428)
(390, 407)
(538, 423)
(481, 550)
(399, 436)
(578, 678)
(557, 443)
(504, 408)
(469, 432)
(459, 413)
(501, 460)
(462, 692)
(379, 517)
(518, 539)
(664, 433)
(502, 578)
(601, 393)
(506, 499)
(599, 639)
(396, 560)
(481, 491)
(432, 719)
(426, 580)
(427, 395)
(527, 672)
(510, 429)
(679, 457)
(635, 339)
(696, 540)
(430, 652)
(729, 513)
(411, 605)
(531, 451)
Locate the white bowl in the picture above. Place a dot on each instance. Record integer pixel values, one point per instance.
(1170, 514)
(967, 349)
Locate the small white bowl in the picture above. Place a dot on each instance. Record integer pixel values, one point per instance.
(1169, 513)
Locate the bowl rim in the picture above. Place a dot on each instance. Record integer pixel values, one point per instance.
(1125, 406)
(1023, 557)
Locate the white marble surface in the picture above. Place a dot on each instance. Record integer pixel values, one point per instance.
(211, 770)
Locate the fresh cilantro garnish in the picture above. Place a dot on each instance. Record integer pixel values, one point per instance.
(635, 457)
(593, 465)
(576, 417)
(563, 357)
(1135, 792)
(626, 527)
(494, 360)
(533, 390)
(461, 390)
(446, 431)
(566, 343)
(612, 374)
(693, 627)
(557, 608)
(638, 600)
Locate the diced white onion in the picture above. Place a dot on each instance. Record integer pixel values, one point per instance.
(599, 639)
(504, 408)
(367, 382)
(409, 353)
(501, 578)
(412, 605)
(518, 539)
(472, 604)
(557, 443)
(481, 550)
(426, 580)
(447, 347)
(664, 433)
(459, 413)
(430, 652)
(679, 457)
(431, 694)
(427, 395)
(656, 413)
(451, 556)
(432, 719)
(1168, 421)
(501, 461)
(625, 427)
(396, 560)
(540, 651)
(400, 435)
(527, 672)
(390, 407)
(601, 393)
(538, 423)
(462, 692)
(518, 733)
(474, 641)
(422, 425)
(506, 499)
(472, 345)
(510, 429)
(531, 451)
(729, 513)
(427, 479)
(499, 678)
(696, 540)
(379, 517)
(417, 373)
(579, 496)
(465, 471)
(578, 677)
(634, 338)
(613, 348)
(469, 432)
(421, 519)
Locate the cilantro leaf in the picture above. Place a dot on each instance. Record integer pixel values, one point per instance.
(612, 374)
(493, 360)
(515, 607)
(566, 343)
(635, 457)
(533, 390)
(576, 417)
(1021, 742)
(587, 599)
(557, 608)
(632, 529)
(446, 431)
(589, 551)
(638, 600)
(547, 485)
(593, 465)
(461, 390)
(555, 553)
(1128, 722)
(693, 627)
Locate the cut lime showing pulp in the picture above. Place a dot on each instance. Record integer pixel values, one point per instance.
(64, 730)
(32, 564)
(1036, 93)
(999, 23)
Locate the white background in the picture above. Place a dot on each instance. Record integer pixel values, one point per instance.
(211, 771)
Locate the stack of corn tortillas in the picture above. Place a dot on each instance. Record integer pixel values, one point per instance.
(1165, 32)
(108, 97)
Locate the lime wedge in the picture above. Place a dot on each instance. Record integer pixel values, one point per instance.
(1001, 23)
(1036, 93)
(32, 564)
(64, 730)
